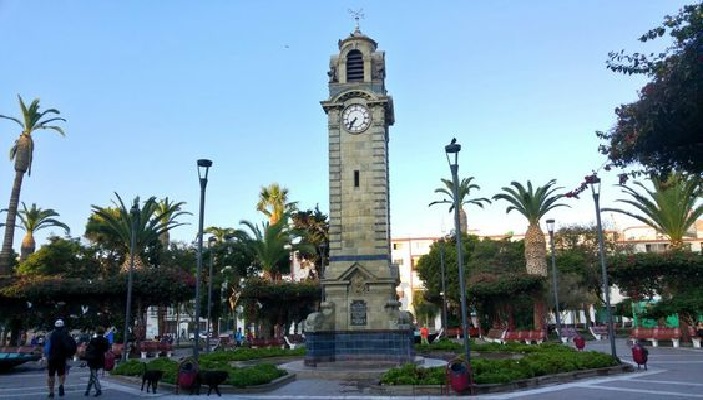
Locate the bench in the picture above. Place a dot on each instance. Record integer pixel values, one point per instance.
(456, 332)
(266, 342)
(599, 332)
(694, 336)
(525, 336)
(495, 335)
(567, 334)
(165, 348)
(117, 350)
(654, 335)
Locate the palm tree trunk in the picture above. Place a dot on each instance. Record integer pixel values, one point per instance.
(28, 246)
(6, 252)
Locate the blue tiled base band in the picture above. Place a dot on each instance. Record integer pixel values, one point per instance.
(386, 346)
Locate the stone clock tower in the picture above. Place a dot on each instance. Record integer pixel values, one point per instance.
(360, 319)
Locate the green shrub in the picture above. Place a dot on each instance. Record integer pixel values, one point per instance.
(245, 376)
(547, 359)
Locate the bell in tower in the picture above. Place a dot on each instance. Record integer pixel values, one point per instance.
(360, 318)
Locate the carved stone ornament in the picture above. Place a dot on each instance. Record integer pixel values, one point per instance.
(358, 284)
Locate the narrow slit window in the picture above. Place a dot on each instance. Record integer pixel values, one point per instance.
(356, 178)
(355, 66)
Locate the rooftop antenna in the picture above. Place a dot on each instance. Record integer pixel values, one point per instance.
(357, 15)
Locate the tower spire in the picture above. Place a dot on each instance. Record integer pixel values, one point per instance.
(357, 15)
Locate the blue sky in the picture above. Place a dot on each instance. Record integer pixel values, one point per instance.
(149, 87)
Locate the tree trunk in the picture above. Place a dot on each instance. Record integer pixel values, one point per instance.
(535, 251)
(28, 246)
(6, 252)
(463, 224)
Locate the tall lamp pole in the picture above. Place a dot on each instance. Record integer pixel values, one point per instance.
(203, 169)
(134, 217)
(211, 241)
(444, 288)
(555, 288)
(594, 181)
(453, 149)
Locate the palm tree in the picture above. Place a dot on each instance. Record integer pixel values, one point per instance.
(273, 202)
(22, 152)
(670, 208)
(533, 205)
(114, 226)
(269, 244)
(33, 220)
(465, 187)
(221, 234)
(166, 209)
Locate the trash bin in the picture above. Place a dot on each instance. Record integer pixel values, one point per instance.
(187, 373)
(579, 342)
(640, 355)
(458, 375)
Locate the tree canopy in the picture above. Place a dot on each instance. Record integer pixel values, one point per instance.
(663, 130)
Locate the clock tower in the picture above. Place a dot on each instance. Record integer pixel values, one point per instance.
(360, 317)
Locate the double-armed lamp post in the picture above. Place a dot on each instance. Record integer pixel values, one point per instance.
(203, 169)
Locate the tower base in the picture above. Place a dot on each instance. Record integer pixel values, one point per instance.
(367, 347)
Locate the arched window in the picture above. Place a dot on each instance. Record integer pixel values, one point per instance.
(355, 66)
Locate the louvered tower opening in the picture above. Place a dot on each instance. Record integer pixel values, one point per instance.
(355, 66)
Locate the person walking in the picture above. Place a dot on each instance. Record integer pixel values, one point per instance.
(58, 347)
(424, 335)
(95, 358)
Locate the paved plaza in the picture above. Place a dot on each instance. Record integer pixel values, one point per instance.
(673, 373)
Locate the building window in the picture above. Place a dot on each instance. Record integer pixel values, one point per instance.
(397, 246)
(398, 262)
(355, 66)
(356, 178)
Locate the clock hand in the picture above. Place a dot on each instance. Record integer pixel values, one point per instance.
(351, 123)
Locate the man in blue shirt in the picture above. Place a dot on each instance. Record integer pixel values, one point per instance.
(56, 349)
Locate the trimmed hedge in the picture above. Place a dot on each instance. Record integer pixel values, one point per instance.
(541, 360)
(238, 376)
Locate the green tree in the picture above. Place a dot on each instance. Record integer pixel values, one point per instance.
(65, 257)
(273, 203)
(313, 228)
(533, 205)
(22, 152)
(33, 220)
(113, 225)
(662, 130)
(465, 188)
(219, 233)
(669, 209)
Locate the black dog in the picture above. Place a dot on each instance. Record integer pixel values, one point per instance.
(211, 379)
(151, 378)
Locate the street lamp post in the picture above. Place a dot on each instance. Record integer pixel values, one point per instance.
(444, 288)
(134, 217)
(594, 181)
(203, 169)
(211, 241)
(550, 228)
(454, 148)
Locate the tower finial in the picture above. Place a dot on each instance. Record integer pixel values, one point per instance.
(357, 15)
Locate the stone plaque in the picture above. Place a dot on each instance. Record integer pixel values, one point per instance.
(357, 311)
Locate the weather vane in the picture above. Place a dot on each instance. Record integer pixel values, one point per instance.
(357, 14)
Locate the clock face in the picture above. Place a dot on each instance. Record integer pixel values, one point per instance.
(356, 118)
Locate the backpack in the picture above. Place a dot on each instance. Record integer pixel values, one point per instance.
(69, 345)
(91, 352)
(109, 361)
